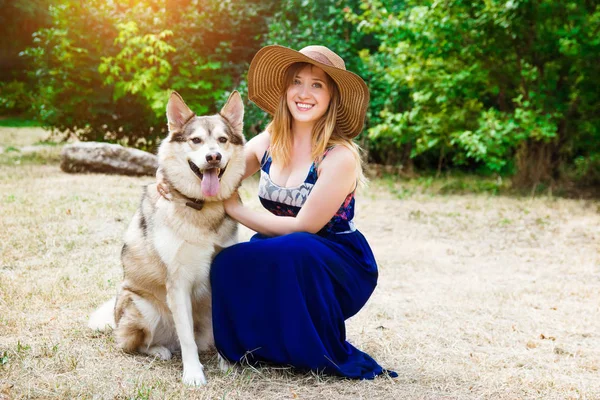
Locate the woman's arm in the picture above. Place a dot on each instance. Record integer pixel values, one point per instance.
(337, 178)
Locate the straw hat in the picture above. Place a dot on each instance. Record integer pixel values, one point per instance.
(267, 71)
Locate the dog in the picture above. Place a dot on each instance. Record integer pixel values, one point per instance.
(164, 302)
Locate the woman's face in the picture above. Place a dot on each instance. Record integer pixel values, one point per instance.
(308, 95)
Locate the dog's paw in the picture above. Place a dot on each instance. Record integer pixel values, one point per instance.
(160, 351)
(194, 376)
(224, 365)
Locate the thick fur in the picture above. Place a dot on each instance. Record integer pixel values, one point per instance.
(164, 301)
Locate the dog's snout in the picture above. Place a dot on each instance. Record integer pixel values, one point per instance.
(213, 157)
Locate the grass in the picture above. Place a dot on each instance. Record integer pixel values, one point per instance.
(17, 122)
(16, 157)
(33, 146)
(480, 295)
(457, 184)
(16, 138)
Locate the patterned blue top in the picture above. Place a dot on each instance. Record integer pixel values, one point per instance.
(285, 201)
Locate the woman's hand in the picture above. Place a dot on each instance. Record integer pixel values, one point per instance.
(161, 185)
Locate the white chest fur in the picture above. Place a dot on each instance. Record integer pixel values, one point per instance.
(187, 238)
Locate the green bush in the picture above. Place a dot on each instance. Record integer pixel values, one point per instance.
(496, 87)
(15, 98)
(501, 84)
(104, 71)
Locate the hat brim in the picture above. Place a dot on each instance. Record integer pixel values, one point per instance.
(265, 85)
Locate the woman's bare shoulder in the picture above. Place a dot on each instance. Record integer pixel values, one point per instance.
(261, 140)
(339, 155)
(259, 143)
(339, 162)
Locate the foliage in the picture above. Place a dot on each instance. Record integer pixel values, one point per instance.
(104, 71)
(140, 66)
(499, 87)
(19, 19)
(71, 97)
(494, 83)
(15, 97)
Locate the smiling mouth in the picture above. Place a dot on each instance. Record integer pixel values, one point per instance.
(200, 173)
(304, 106)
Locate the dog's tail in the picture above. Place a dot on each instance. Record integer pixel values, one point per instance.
(104, 317)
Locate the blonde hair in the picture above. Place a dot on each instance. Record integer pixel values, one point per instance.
(325, 132)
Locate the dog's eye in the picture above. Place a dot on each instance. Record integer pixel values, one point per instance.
(197, 140)
(223, 140)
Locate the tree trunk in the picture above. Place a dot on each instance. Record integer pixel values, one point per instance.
(406, 160)
(536, 163)
(440, 162)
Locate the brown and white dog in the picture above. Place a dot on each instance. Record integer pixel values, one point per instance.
(164, 301)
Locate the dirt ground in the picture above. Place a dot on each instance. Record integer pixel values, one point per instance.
(479, 296)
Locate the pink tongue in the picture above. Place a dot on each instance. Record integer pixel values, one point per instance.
(210, 182)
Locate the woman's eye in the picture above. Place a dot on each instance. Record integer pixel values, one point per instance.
(297, 81)
(222, 140)
(197, 140)
(317, 85)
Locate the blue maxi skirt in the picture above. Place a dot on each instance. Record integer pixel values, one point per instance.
(283, 300)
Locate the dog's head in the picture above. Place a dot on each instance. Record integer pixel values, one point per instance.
(203, 156)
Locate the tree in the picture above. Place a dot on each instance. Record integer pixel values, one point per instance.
(18, 21)
(104, 70)
(507, 85)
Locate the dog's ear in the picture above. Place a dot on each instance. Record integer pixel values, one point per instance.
(233, 111)
(178, 113)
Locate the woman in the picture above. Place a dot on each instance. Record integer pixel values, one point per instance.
(282, 298)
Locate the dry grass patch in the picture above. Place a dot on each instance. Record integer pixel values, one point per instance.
(478, 297)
